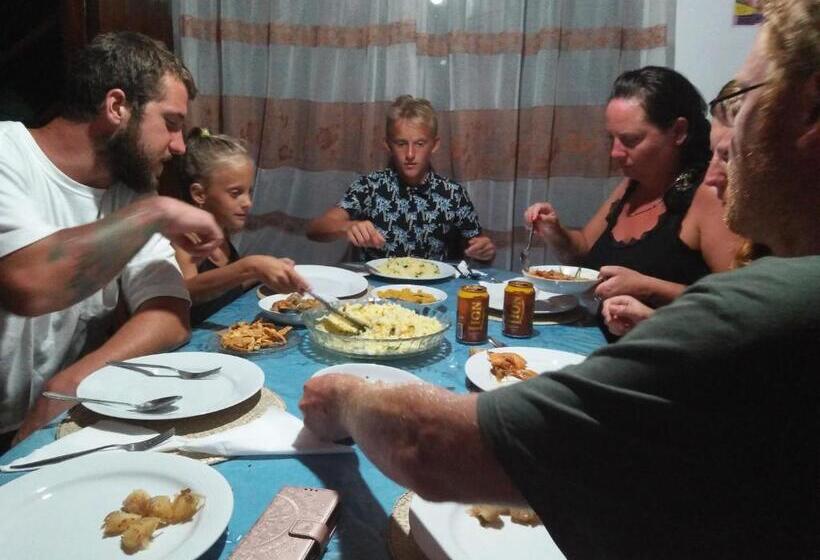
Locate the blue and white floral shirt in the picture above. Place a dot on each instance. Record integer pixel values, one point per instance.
(414, 221)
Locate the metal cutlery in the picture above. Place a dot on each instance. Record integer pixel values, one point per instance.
(148, 406)
(495, 342)
(358, 325)
(183, 373)
(475, 275)
(525, 254)
(136, 446)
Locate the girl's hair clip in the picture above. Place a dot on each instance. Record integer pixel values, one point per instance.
(204, 133)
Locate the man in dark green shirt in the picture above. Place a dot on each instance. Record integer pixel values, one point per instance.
(696, 435)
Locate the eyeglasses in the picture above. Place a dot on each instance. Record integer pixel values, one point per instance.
(727, 112)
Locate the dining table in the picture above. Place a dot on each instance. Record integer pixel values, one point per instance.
(367, 496)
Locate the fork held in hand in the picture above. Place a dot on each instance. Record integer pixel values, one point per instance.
(525, 254)
(143, 445)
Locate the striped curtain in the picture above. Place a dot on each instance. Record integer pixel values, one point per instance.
(520, 87)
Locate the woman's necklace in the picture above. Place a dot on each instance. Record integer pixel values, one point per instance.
(646, 209)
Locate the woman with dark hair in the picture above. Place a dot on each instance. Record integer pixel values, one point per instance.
(659, 231)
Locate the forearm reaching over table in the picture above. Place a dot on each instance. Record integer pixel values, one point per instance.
(336, 224)
(71, 264)
(411, 433)
(159, 324)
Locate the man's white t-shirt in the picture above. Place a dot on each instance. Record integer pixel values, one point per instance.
(37, 200)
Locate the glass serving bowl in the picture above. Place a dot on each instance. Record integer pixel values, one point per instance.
(358, 346)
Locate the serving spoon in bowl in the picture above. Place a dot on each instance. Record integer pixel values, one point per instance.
(148, 406)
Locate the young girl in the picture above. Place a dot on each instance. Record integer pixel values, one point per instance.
(218, 175)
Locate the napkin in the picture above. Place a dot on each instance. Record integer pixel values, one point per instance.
(276, 432)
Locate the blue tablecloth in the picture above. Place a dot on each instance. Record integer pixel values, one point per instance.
(367, 496)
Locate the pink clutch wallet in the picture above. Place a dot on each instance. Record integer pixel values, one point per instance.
(297, 525)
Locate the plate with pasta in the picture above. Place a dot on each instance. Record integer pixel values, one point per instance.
(238, 379)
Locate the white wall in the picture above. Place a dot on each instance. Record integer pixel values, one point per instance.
(708, 47)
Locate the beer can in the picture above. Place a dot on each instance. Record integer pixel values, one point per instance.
(473, 311)
(519, 308)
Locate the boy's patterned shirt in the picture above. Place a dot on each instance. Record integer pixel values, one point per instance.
(414, 221)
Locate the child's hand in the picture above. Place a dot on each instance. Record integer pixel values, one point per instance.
(364, 234)
(278, 274)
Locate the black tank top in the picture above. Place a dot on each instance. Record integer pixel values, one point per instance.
(202, 311)
(659, 252)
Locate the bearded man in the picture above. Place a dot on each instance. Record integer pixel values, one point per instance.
(696, 435)
(83, 232)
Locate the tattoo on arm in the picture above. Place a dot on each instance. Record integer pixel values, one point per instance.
(100, 253)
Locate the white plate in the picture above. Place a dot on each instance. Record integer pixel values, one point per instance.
(266, 305)
(237, 381)
(587, 278)
(372, 373)
(477, 366)
(444, 271)
(445, 531)
(327, 281)
(332, 281)
(546, 303)
(57, 511)
(440, 295)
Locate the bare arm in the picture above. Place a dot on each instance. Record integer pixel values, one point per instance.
(159, 324)
(717, 243)
(71, 264)
(619, 280)
(330, 226)
(570, 245)
(279, 274)
(336, 223)
(412, 433)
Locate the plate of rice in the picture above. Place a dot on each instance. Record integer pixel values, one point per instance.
(410, 268)
(394, 330)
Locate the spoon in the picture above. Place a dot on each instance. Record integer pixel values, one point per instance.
(147, 406)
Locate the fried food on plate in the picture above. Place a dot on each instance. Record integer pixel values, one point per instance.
(142, 514)
(295, 302)
(490, 515)
(504, 364)
(244, 337)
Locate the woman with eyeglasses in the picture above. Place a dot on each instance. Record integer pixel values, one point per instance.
(659, 230)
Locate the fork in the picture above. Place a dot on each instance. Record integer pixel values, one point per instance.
(525, 254)
(136, 446)
(474, 275)
(183, 373)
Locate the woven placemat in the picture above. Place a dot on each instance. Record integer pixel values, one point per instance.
(555, 319)
(239, 414)
(399, 541)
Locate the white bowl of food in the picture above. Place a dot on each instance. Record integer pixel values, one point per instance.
(287, 308)
(560, 279)
(413, 294)
(394, 330)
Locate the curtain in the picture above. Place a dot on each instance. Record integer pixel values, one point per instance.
(519, 86)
